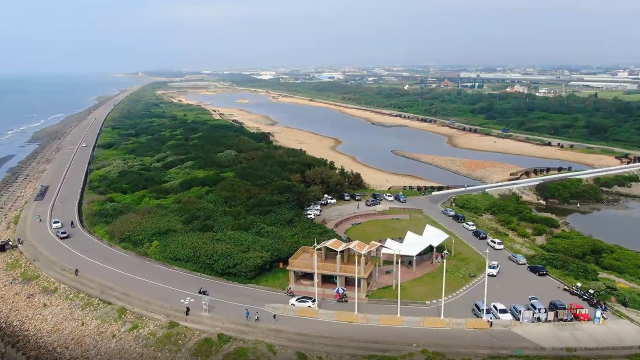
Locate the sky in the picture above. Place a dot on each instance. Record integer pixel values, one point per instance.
(136, 35)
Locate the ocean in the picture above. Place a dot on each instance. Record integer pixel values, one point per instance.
(29, 103)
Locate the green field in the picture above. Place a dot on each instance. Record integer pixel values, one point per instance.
(465, 261)
(610, 95)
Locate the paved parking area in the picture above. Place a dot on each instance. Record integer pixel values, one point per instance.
(512, 286)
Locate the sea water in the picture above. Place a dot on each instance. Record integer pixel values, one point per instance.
(29, 103)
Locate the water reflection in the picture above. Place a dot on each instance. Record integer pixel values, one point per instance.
(614, 225)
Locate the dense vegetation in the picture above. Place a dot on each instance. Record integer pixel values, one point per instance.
(623, 180)
(568, 254)
(592, 119)
(509, 211)
(568, 190)
(171, 183)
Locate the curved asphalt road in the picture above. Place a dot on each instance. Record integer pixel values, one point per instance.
(138, 277)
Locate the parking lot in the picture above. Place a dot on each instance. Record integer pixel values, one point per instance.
(513, 285)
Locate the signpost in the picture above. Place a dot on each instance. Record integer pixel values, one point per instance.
(205, 304)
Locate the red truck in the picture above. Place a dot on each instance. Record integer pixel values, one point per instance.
(579, 312)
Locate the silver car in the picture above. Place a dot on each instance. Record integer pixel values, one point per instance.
(518, 259)
(448, 212)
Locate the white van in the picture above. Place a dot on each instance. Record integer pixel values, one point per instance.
(540, 312)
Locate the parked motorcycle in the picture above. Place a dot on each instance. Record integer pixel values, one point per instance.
(290, 292)
(342, 298)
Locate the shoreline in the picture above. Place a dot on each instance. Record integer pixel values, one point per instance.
(485, 171)
(17, 185)
(313, 144)
(459, 138)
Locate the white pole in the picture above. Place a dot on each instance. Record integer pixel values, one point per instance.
(394, 269)
(315, 268)
(399, 261)
(486, 268)
(444, 274)
(356, 294)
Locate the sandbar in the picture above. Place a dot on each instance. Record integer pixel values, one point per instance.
(314, 144)
(482, 170)
(466, 140)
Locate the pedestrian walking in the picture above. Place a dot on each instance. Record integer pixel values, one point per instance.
(257, 317)
(187, 311)
(358, 206)
(274, 318)
(76, 272)
(246, 314)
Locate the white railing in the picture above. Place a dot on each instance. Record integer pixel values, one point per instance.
(536, 181)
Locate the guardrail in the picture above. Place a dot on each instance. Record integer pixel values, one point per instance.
(529, 182)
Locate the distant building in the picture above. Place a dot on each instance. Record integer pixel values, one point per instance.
(446, 84)
(517, 88)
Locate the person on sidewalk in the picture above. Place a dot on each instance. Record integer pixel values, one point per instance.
(76, 272)
(274, 318)
(187, 311)
(246, 314)
(257, 317)
(358, 206)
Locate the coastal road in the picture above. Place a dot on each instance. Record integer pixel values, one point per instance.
(164, 286)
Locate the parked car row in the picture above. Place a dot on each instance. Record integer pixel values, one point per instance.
(539, 313)
(496, 244)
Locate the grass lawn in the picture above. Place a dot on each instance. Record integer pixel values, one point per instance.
(277, 278)
(465, 261)
(610, 95)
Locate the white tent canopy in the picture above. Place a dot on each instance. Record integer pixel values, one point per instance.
(413, 243)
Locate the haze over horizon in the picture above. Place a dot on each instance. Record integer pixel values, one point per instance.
(119, 36)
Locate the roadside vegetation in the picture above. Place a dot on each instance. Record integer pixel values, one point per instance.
(568, 191)
(568, 254)
(465, 261)
(171, 183)
(590, 119)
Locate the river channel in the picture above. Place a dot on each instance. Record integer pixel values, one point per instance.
(614, 225)
(372, 144)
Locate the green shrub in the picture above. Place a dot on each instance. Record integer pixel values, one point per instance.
(171, 183)
(568, 190)
(523, 232)
(622, 180)
(172, 325)
(539, 230)
(566, 266)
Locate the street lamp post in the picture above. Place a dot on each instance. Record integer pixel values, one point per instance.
(486, 277)
(356, 293)
(315, 268)
(399, 266)
(444, 274)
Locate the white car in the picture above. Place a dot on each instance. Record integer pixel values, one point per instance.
(500, 312)
(493, 269)
(495, 243)
(309, 216)
(84, 145)
(388, 197)
(469, 226)
(303, 301)
(330, 200)
(315, 212)
(56, 224)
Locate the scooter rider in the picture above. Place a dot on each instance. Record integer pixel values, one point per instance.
(72, 225)
(289, 291)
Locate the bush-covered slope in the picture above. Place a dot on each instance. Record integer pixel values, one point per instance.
(170, 182)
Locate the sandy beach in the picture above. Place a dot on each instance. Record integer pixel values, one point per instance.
(466, 140)
(314, 144)
(486, 171)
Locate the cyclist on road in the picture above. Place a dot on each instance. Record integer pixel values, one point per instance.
(38, 218)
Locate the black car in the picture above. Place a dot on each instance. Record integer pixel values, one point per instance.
(480, 234)
(459, 218)
(400, 198)
(372, 202)
(356, 196)
(377, 196)
(538, 270)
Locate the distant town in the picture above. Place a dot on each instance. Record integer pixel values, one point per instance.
(540, 81)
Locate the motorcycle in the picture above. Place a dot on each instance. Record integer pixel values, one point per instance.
(342, 298)
(290, 292)
(203, 292)
(72, 224)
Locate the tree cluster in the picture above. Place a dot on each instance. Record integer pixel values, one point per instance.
(170, 182)
(568, 190)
